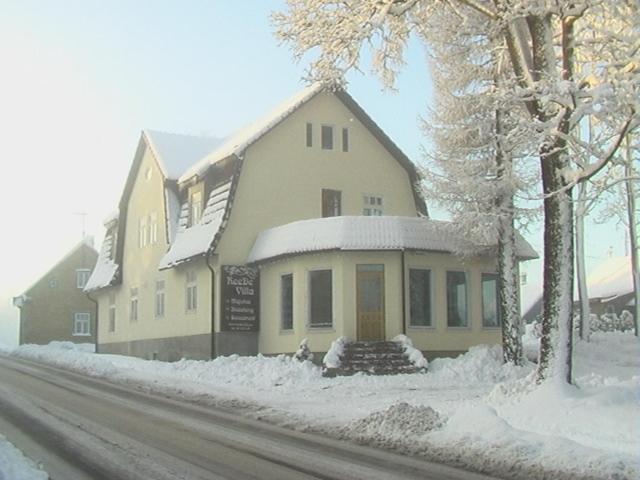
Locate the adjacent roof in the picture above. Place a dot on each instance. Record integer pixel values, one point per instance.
(364, 233)
(175, 152)
(610, 279)
(104, 273)
(85, 242)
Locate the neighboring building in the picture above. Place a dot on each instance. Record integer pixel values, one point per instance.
(307, 224)
(56, 307)
(610, 289)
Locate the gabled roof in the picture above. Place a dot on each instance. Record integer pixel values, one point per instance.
(237, 143)
(359, 233)
(86, 242)
(175, 153)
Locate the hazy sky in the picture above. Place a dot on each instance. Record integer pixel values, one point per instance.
(81, 78)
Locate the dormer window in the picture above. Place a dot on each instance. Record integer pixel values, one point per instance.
(195, 203)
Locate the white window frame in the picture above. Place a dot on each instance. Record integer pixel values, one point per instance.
(133, 306)
(497, 300)
(153, 228)
(82, 277)
(375, 207)
(191, 292)
(81, 324)
(333, 137)
(112, 313)
(160, 299)
(466, 300)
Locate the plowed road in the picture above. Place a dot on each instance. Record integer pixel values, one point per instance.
(84, 428)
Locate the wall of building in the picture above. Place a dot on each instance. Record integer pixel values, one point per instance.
(435, 340)
(145, 336)
(52, 302)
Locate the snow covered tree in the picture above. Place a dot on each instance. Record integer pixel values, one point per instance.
(540, 37)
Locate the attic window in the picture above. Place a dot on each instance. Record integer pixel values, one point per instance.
(82, 276)
(327, 137)
(345, 139)
(147, 174)
(309, 135)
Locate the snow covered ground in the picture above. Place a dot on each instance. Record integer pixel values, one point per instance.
(15, 466)
(471, 411)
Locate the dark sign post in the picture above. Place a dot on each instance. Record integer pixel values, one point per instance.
(240, 299)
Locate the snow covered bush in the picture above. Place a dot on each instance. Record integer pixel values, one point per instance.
(413, 354)
(333, 358)
(609, 322)
(303, 353)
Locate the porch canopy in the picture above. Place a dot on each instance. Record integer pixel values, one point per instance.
(370, 233)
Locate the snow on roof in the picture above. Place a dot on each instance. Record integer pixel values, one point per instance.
(105, 269)
(611, 278)
(176, 152)
(363, 233)
(242, 139)
(196, 239)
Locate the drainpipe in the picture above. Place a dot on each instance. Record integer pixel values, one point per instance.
(213, 307)
(95, 302)
(404, 295)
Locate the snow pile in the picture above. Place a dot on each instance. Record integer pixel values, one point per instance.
(531, 341)
(5, 348)
(15, 466)
(400, 419)
(303, 353)
(415, 356)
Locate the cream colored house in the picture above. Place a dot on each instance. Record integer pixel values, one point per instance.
(306, 224)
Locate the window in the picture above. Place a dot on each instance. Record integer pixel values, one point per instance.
(153, 228)
(82, 276)
(133, 305)
(345, 139)
(326, 137)
(420, 297)
(457, 299)
(331, 203)
(191, 293)
(160, 299)
(309, 135)
(112, 312)
(490, 301)
(142, 232)
(196, 208)
(286, 302)
(53, 282)
(372, 205)
(321, 299)
(82, 324)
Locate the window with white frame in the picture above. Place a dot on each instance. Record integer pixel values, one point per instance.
(331, 203)
(82, 324)
(133, 305)
(195, 206)
(320, 299)
(112, 312)
(420, 297)
(82, 277)
(153, 228)
(160, 299)
(143, 232)
(372, 205)
(286, 301)
(191, 292)
(490, 301)
(457, 299)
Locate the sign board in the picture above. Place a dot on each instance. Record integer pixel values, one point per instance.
(240, 299)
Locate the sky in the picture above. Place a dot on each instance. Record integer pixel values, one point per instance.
(81, 78)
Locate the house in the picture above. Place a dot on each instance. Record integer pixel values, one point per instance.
(308, 224)
(56, 307)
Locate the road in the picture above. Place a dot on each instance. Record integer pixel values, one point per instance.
(85, 428)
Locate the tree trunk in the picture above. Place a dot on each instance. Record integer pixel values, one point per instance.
(556, 342)
(583, 294)
(633, 234)
(508, 285)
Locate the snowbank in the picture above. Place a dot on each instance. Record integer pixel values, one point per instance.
(15, 466)
(472, 410)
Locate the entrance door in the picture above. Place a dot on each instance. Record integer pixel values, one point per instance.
(370, 302)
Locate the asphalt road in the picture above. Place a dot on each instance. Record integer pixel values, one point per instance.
(84, 428)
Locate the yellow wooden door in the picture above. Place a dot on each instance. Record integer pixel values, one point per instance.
(370, 302)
